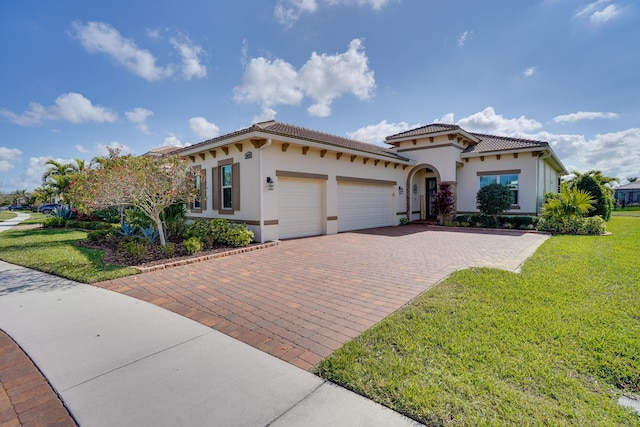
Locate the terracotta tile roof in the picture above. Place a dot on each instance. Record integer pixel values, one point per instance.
(283, 129)
(424, 130)
(167, 149)
(489, 143)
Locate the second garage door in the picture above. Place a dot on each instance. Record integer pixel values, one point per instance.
(364, 206)
(300, 207)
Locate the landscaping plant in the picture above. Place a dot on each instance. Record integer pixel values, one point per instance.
(443, 201)
(494, 199)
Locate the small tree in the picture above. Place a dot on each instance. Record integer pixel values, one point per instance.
(493, 199)
(150, 183)
(603, 205)
(443, 201)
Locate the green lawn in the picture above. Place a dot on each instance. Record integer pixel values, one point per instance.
(53, 251)
(554, 345)
(5, 215)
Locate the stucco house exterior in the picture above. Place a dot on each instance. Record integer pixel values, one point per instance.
(286, 181)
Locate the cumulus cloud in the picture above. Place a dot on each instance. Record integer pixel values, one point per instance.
(487, 121)
(81, 149)
(139, 116)
(98, 37)
(190, 53)
(376, 134)
(599, 13)
(584, 115)
(203, 129)
(8, 158)
(71, 107)
(323, 78)
(289, 11)
(173, 141)
(463, 38)
(448, 118)
(529, 72)
(31, 177)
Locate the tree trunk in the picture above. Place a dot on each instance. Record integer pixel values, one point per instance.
(158, 221)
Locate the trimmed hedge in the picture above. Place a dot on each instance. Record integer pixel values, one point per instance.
(503, 221)
(220, 232)
(593, 225)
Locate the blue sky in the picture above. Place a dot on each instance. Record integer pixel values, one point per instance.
(79, 76)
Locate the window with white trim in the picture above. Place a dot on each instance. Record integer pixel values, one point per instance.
(226, 186)
(508, 180)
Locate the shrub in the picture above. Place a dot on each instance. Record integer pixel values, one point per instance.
(136, 217)
(110, 215)
(84, 225)
(494, 198)
(192, 245)
(443, 201)
(572, 225)
(220, 231)
(603, 200)
(64, 212)
(168, 249)
(173, 218)
(150, 233)
(135, 248)
(98, 236)
(237, 235)
(54, 221)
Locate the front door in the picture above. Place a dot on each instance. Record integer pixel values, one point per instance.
(432, 188)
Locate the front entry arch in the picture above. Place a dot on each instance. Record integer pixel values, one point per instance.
(417, 187)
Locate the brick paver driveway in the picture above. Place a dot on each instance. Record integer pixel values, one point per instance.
(302, 299)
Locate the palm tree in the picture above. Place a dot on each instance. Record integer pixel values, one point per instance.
(569, 203)
(58, 176)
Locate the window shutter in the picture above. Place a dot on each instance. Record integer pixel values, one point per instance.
(215, 178)
(235, 189)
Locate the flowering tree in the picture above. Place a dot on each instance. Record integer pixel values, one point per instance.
(443, 201)
(150, 183)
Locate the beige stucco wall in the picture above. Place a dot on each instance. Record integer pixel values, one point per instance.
(265, 162)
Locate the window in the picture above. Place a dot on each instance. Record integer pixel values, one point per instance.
(199, 202)
(226, 187)
(509, 180)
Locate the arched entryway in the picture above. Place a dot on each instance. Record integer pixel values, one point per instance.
(422, 184)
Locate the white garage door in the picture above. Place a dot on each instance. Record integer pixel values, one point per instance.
(300, 207)
(364, 206)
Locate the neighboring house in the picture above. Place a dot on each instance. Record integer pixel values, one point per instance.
(628, 194)
(285, 181)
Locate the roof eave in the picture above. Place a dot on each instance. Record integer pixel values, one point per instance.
(459, 131)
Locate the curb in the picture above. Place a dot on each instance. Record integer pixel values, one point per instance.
(206, 257)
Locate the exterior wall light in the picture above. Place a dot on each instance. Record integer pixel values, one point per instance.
(270, 184)
(400, 189)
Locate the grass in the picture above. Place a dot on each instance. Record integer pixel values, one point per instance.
(53, 251)
(5, 215)
(554, 345)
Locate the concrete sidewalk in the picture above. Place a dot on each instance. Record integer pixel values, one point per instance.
(7, 224)
(116, 360)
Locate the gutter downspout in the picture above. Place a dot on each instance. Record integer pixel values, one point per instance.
(261, 181)
(539, 197)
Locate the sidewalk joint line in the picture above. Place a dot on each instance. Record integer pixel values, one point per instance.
(307, 396)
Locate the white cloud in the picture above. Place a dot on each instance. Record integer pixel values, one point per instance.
(604, 15)
(463, 38)
(103, 149)
(203, 129)
(326, 77)
(8, 158)
(81, 149)
(598, 13)
(487, 121)
(103, 38)
(173, 141)
(72, 107)
(323, 78)
(378, 132)
(289, 11)
(584, 115)
(31, 177)
(529, 72)
(448, 118)
(139, 116)
(154, 34)
(191, 66)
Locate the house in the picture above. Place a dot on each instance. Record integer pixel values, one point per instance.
(628, 194)
(286, 181)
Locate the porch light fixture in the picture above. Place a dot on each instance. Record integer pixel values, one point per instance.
(400, 189)
(270, 184)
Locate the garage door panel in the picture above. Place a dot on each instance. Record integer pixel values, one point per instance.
(300, 207)
(364, 206)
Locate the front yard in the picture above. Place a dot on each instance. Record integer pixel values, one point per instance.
(555, 345)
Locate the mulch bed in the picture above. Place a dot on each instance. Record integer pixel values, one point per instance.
(154, 255)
